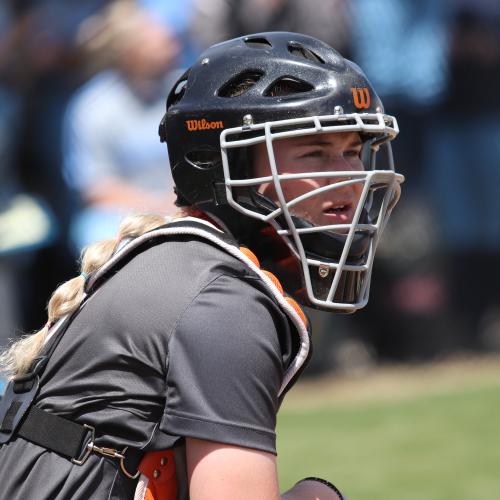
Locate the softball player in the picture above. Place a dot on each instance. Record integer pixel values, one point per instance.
(163, 365)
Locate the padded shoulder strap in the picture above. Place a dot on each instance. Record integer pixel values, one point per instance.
(180, 226)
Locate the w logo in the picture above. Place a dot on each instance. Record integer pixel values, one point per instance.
(361, 97)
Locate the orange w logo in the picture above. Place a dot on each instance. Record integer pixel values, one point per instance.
(361, 97)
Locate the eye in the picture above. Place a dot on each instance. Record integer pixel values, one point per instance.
(352, 153)
(316, 153)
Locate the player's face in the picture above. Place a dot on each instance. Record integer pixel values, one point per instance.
(333, 152)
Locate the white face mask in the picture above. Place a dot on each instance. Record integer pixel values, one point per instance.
(321, 189)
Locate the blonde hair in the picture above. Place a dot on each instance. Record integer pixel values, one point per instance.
(17, 358)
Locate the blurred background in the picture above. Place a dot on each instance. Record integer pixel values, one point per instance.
(82, 90)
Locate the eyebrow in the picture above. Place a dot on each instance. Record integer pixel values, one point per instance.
(320, 142)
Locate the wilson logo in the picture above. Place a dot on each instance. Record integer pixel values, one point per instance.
(361, 97)
(194, 125)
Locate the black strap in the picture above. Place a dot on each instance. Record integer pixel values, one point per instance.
(8, 422)
(54, 433)
(69, 439)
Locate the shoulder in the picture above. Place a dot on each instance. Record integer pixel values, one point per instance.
(234, 306)
(233, 315)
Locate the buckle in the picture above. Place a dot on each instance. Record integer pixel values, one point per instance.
(107, 452)
(112, 453)
(88, 449)
(124, 470)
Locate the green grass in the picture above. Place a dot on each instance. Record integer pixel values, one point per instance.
(427, 447)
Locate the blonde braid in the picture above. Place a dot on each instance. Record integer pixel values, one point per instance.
(17, 358)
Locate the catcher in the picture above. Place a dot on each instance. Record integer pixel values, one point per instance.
(162, 366)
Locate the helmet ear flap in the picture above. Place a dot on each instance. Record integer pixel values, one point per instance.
(239, 161)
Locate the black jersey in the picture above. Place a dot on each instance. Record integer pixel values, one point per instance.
(183, 341)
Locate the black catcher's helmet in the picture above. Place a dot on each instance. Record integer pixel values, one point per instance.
(259, 89)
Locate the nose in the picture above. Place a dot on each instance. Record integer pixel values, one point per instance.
(340, 164)
(345, 164)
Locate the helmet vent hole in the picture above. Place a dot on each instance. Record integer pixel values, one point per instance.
(287, 86)
(178, 90)
(258, 43)
(240, 84)
(298, 50)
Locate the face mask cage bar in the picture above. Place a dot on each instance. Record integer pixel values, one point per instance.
(331, 273)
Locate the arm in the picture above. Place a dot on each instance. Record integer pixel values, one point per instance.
(216, 470)
(222, 387)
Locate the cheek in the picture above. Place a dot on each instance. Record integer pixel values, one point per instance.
(291, 189)
(295, 188)
(358, 189)
(260, 161)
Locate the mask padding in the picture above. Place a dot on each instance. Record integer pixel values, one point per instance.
(240, 84)
(287, 86)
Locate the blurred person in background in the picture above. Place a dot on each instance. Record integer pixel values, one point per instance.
(26, 223)
(404, 45)
(42, 65)
(8, 187)
(437, 272)
(462, 171)
(40, 68)
(111, 158)
(216, 20)
(178, 17)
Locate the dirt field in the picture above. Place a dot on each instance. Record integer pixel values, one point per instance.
(395, 382)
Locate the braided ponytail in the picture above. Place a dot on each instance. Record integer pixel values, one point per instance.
(17, 358)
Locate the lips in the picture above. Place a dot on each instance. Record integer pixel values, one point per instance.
(339, 211)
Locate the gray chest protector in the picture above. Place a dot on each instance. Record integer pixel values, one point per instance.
(19, 417)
